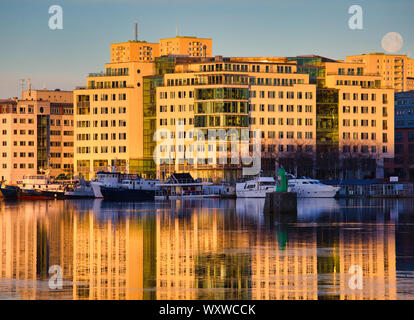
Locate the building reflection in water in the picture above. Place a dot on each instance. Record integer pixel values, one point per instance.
(212, 249)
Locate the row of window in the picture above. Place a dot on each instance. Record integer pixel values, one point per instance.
(245, 68)
(287, 148)
(21, 120)
(364, 136)
(364, 110)
(281, 94)
(181, 121)
(287, 135)
(178, 94)
(177, 108)
(21, 143)
(58, 133)
(107, 85)
(103, 97)
(21, 166)
(363, 149)
(283, 121)
(58, 123)
(104, 136)
(364, 123)
(102, 123)
(281, 108)
(59, 155)
(103, 149)
(30, 132)
(364, 97)
(22, 110)
(21, 154)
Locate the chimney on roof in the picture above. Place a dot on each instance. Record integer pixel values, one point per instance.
(136, 30)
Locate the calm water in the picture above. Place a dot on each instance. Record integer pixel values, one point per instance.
(210, 249)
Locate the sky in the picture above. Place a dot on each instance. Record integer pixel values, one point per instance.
(63, 58)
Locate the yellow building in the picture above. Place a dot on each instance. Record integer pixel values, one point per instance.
(394, 69)
(37, 134)
(134, 51)
(365, 112)
(234, 95)
(185, 45)
(355, 118)
(109, 120)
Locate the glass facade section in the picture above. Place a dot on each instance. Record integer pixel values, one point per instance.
(43, 137)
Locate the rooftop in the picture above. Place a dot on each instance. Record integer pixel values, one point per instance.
(185, 37)
(7, 101)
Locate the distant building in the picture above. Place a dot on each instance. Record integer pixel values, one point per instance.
(134, 51)
(395, 70)
(37, 134)
(403, 163)
(143, 51)
(189, 46)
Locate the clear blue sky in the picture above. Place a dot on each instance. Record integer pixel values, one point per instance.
(62, 58)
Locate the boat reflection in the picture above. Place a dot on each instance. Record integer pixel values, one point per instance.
(206, 249)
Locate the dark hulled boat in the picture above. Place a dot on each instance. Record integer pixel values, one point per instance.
(10, 192)
(137, 189)
(41, 194)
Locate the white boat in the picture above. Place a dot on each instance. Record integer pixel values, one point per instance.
(256, 188)
(181, 186)
(80, 190)
(311, 188)
(39, 182)
(40, 187)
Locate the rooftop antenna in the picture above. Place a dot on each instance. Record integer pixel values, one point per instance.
(176, 30)
(136, 30)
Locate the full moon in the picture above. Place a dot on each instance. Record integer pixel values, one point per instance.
(392, 42)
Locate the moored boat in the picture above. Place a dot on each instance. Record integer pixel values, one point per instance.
(256, 188)
(80, 190)
(40, 187)
(138, 189)
(181, 186)
(311, 188)
(10, 192)
(104, 179)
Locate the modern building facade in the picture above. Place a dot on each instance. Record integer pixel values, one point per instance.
(158, 107)
(395, 70)
(402, 165)
(37, 135)
(355, 124)
(246, 98)
(115, 112)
